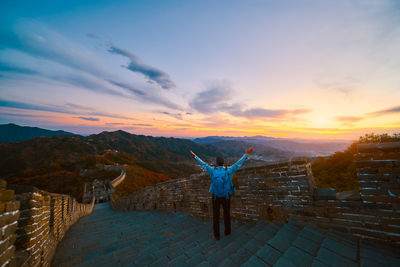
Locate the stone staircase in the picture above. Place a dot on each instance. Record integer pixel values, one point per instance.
(158, 238)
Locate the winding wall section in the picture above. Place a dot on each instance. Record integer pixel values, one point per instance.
(33, 222)
(286, 191)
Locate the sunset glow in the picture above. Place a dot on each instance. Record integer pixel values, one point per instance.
(292, 69)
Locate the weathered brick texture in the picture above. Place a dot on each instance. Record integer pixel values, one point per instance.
(45, 217)
(262, 193)
(34, 221)
(9, 214)
(32, 224)
(286, 191)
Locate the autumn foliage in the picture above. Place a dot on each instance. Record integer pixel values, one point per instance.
(338, 170)
(136, 179)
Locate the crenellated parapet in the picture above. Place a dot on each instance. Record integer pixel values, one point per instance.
(118, 180)
(101, 190)
(34, 221)
(261, 191)
(286, 191)
(9, 214)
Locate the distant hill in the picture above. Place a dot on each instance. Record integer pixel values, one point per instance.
(53, 163)
(270, 148)
(152, 148)
(15, 133)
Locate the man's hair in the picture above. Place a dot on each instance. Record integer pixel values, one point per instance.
(220, 161)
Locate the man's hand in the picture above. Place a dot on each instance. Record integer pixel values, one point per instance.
(248, 151)
(194, 155)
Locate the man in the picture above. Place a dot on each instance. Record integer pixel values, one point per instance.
(221, 188)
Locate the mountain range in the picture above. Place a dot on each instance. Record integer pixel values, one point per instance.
(52, 160)
(15, 133)
(284, 147)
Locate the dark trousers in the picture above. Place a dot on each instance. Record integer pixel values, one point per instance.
(226, 205)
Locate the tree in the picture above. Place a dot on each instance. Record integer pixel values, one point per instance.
(338, 170)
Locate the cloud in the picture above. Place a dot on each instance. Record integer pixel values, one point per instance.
(32, 38)
(385, 111)
(23, 115)
(344, 85)
(216, 97)
(142, 124)
(114, 123)
(348, 119)
(148, 96)
(16, 69)
(93, 36)
(127, 87)
(78, 79)
(66, 109)
(213, 98)
(88, 118)
(22, 105)
(136, 65)
(85, 81)
(75, 106)
(67, 62)
(254, 113)
(103, 114)
(174, 115)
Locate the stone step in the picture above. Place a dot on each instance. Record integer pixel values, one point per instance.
(230, 250)
(272, 250)
(159, 238)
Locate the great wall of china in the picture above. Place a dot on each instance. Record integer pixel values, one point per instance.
(286, 191)
(34, 221)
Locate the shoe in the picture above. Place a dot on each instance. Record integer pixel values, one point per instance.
(217, 238)
(227, 233)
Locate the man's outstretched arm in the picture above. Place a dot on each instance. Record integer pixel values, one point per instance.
(239, 163)
(204, 165)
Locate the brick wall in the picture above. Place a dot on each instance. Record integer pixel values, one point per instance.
(373, 212)
(262, 192)
(286, 191)
(33, 222)
(117, 181)
(9, 214)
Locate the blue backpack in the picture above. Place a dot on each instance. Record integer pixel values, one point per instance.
(221, 186)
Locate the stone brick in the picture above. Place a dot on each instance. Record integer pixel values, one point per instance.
(330, 258)
(298, 257)
(6, 195)
(3, 184)
(7, 255)
(9, 230)
(4, 244)
(12, 206)
(317, 263)
(340, 248)
(269, 254)
(6, 219)
(283, 239)
(306, 245)
(254, 261)
(30, 213)
(283, 262)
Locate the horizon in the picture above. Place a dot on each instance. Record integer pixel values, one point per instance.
(192, 137)
(307, 70)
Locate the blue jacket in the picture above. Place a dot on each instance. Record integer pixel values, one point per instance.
(230, 170)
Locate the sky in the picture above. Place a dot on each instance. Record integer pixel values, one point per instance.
(292, 69)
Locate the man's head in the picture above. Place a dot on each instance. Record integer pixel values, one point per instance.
(220, 161)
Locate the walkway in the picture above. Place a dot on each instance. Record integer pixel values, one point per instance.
(159, 238)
